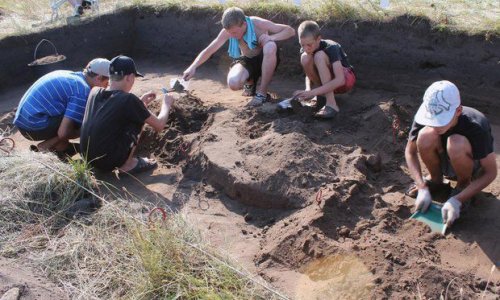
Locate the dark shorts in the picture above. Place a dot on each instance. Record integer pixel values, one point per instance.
(43, 134)
(447, 169)
(122, 149)
(254, 64)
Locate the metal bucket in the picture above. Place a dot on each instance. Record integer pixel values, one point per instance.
(48, 63)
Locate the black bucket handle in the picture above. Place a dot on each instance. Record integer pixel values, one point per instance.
(38, 45)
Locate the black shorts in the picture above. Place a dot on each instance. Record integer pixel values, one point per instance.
(254, 64)
(122, 146)
(44, 134)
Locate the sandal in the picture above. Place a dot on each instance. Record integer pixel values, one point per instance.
(249, 89)
(142, 165)
(259, 99)
(326, 112)
(434, 188)
(320, 102)
(69, 152)
(301, 109)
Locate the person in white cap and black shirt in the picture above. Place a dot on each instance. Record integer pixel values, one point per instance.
(52, 109)
(114, 119)
(454, 141)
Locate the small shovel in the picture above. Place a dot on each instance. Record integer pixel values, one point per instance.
(176, 85)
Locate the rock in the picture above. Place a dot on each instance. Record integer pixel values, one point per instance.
(12, 294)
(344, 231)
(306, 245)
(84, 206)
(248, 217)
(353, 189)
(374, 162)
(354, 235)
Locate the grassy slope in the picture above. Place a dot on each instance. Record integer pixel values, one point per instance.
(114, 253)
(470, 16)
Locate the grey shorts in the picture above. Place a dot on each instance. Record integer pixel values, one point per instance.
(447, 169)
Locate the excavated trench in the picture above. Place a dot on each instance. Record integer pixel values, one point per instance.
(342, 181)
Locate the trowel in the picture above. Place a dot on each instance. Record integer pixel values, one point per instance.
(176, 85)
(432, 217)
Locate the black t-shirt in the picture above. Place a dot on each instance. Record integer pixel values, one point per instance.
(110, 128)
(334, 52)
(473, 125)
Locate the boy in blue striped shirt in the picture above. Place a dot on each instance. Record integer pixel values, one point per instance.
(52, 109)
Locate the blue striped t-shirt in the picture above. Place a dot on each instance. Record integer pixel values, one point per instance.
(55, 94)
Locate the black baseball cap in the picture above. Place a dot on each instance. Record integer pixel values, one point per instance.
(123, 65)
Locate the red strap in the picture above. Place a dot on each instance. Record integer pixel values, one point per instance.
(163, 214)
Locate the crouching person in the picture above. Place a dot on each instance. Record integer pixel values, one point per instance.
(51, 111)
(454, 141)
(114, 119)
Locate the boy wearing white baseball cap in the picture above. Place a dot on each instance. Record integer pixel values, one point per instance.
(454, 141)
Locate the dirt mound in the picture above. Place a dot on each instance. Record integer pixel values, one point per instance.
(173, 143)
(266, 159)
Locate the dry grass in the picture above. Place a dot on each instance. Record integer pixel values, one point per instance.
(114, 253)
(474, 17)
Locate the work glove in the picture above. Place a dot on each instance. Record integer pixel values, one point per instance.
(451, 210)
(424, 199)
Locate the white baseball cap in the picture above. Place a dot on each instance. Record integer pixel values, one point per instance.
(99, 66)
(441, 100)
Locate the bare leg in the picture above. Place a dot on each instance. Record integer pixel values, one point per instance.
(460, 153)
(324, 67)
(429, 147)
(236, 77)
(268, 66)
(312, 77)
(132, 161)
(58, 143)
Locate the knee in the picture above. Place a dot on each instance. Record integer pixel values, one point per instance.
(234, 84)
(457, 146)
(427, 139)
(306, 60)
(270, 48)
(320, 57)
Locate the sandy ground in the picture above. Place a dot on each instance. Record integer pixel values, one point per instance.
(357, 243)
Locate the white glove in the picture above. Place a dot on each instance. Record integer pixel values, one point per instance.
(424, 199)
(451, 210)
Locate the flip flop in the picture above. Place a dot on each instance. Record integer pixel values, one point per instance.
(70, 151)
(320, 102)
(328, 113)
(142, 166)
(249, 89)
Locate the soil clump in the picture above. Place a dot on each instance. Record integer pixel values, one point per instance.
(173, 144)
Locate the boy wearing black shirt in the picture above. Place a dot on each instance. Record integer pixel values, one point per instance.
(452, 140)
(114, 119)
(327, 69)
